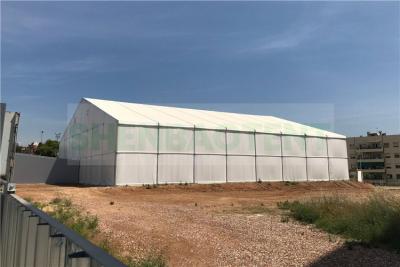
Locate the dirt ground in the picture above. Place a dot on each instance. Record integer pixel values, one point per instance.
(217, 225)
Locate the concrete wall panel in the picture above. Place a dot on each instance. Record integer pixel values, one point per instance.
(38, 169)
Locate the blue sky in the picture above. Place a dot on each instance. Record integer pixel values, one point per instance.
(329, 64)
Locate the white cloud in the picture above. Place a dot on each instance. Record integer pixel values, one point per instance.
(306, 29)
(289, 39)
(55, 23)
(92, 64)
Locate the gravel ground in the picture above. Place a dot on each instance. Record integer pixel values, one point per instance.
(210, 225)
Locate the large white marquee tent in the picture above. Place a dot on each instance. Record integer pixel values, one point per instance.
(118, 143)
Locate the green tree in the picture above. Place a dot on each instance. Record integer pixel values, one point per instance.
(18, 149)
(49, 149)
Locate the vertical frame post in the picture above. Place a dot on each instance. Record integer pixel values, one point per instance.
(115, 153)
(281, 137)
(226, 154)
(327, 154)
(194, 153)
(255, 155)
(158, 150)
(305, 151)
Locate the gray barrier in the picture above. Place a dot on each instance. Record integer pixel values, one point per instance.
(29, 237)
(39, 169)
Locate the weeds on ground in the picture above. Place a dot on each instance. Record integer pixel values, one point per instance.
(36, 204)
(86, 225)
(150, 186)
(284, 219)
(254, 209)
(375, 221)
(257, 209)
(150, 261)
(153, 260)
(83, 223)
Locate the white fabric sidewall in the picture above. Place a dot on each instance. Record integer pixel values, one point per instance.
(95, 142)
(89, 171)
(96, 171)
(240, 143)
(268, 145)
(175, 168)
(339, 169)
(176, 140)
(136, 169)
(337, 148)
(84, 144)
(108, 168)
(84, 170)
(316, 147)
(109, 137)
(209, 142)
(137, 139)
(269, 168)
(294, 169)
(293, 146)
(210, 169)
(89, 141)
(317, 169)
(241, 169)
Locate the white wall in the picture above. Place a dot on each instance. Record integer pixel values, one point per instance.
(269, 168)
(148, 155)
(210, 168)
(90, 139)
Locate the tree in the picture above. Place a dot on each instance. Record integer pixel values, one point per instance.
(19, 149)
(49, 149)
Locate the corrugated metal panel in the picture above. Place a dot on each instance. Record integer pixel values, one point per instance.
(30, 237)
(140, 114)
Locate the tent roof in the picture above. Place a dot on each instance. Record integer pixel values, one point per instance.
(152, 115)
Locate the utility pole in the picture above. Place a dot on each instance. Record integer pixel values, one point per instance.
(41, 136)
(57, 135)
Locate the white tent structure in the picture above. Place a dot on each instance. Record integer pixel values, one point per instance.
(120, 143)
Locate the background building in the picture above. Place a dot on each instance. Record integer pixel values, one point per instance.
(119, 143)
(377, 155)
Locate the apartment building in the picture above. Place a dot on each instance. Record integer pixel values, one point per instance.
(377, 156)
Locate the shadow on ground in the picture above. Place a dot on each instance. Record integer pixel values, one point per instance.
(357, 255)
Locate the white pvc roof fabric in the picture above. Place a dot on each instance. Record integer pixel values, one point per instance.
(151, 115)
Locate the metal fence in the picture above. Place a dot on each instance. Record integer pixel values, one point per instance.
(31, 238)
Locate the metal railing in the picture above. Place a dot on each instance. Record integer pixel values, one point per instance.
(377, 146)
(31, 238)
